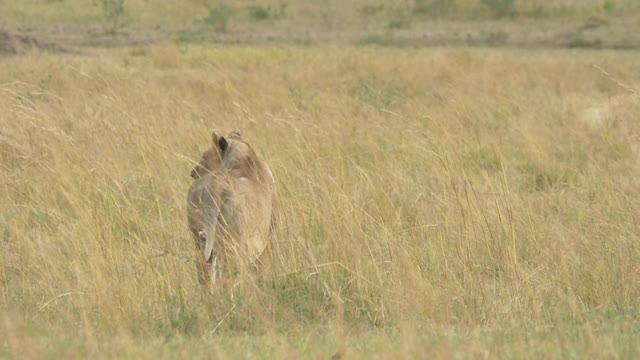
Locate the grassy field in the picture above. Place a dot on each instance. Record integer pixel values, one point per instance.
(436, 202)
(460, 202)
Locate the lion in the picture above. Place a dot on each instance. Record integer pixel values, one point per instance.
(230, 207)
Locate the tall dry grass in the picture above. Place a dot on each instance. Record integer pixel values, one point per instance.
(434, 203)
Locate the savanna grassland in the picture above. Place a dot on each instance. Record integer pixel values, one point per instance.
(434, 202)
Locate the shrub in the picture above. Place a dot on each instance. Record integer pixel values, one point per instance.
(501, 8)
(435, 7)
(112, 11)
(261, 13)
(219, 16)
(400, 18)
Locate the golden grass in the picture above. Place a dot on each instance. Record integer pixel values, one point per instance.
(435, 203)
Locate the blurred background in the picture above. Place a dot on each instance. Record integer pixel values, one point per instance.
(67, 24)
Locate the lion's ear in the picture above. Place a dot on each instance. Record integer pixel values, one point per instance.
(215, 137)
(222, 143)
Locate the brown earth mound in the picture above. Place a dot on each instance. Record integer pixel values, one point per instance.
(7, 44)
(17, 43)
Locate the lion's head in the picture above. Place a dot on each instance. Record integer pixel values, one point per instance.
(212, 158)
(230, 152)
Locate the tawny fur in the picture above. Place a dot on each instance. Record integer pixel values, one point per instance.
(230, 206)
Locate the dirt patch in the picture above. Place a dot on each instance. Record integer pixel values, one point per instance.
(7, 44)
(70, 39)
(592, 33)
(77, 37)
(17, 43)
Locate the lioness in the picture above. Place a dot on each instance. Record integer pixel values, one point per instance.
(230, 206)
